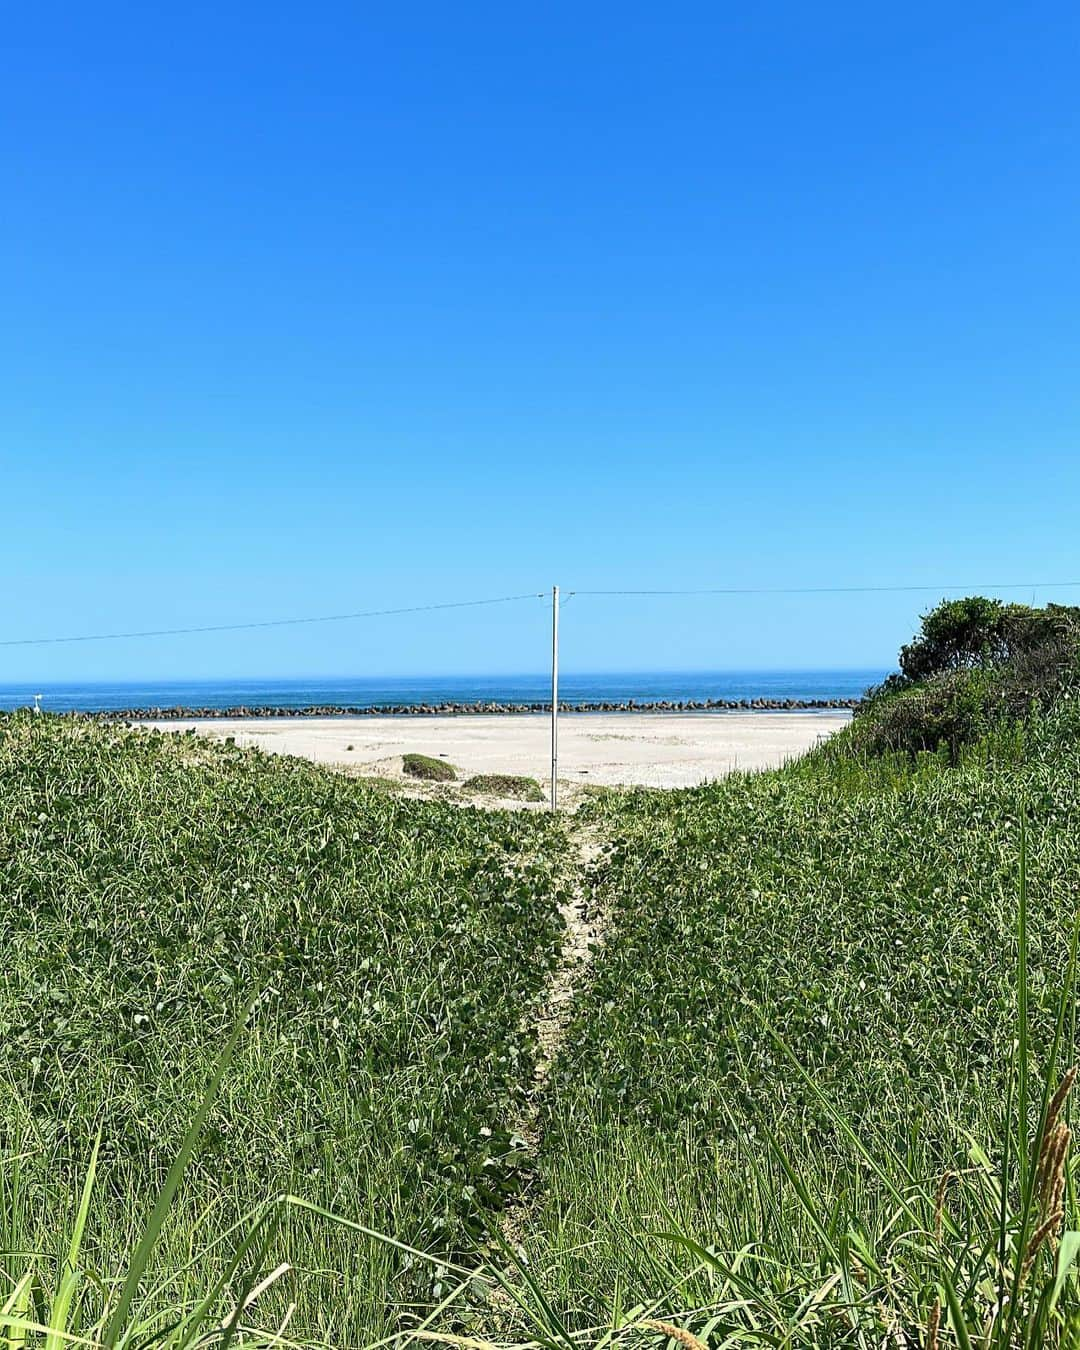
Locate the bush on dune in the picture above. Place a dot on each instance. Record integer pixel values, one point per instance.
(975, 664)
(980, 632)
(430, 770)
(506, 785)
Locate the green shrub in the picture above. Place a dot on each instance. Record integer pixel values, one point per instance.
(506, 785)
(975, 664)
(431, 770)
(976, 631)
(950, 710)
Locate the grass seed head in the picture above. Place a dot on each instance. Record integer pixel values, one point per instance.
(933, 1324)
(1056, 1189)
(1059, 1098)
(680, 1334)
(939, 1201)
(1051, 1166)
(1040, 1235)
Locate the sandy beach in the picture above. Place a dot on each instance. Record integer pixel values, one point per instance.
(653, 750)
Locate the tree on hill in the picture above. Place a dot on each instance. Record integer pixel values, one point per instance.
(974, 663)
(977, 631)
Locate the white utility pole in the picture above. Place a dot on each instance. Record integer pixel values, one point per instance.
(554, 698)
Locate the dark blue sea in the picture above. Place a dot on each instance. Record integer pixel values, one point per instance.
(365, 691)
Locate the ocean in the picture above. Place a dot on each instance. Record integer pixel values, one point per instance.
(378, 692)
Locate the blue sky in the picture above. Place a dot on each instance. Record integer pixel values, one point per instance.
(336, 307)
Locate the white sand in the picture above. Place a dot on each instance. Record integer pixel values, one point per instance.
(650, 749)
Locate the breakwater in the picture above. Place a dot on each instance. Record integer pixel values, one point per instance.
(487, 709)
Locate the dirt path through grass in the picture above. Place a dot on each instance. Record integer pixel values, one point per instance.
(584, 935)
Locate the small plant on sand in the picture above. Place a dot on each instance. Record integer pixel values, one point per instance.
(506, 785)
(431, 770)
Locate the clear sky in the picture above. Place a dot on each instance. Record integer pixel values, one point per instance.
(321, 308)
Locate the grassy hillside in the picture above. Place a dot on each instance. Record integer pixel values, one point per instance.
(841, 932)
(151, 882)
(802, 1098)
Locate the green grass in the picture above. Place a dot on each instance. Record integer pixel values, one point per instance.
(431, 770)
(151, 884)
(839, 932)
(821, 989)
(506, 785)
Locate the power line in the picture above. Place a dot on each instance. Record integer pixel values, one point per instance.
(269, 623)
(840, 590)
(531, 595)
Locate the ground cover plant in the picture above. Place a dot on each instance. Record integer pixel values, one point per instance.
(795, 961)
(814, 1089)
(797, 1255)
(506, 785)
(431, 770)
(150, 884)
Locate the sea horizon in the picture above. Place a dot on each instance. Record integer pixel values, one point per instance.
(408, 690)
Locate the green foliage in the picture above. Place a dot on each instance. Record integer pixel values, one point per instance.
(506, 785)
(814, 997)
(152, 882)
(975, 663)
(977, 631)
(860, 910)
(956, 635)
(60, 1299)
(762, 1245)
(949, 711)
(431, 770)
(864, 909)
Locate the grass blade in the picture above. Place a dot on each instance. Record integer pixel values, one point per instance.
(139, 1260)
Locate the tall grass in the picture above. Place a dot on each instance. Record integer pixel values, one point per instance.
(816, 1091)
(805, 1014)
(68, 1301)
(149, 883)
(854, 1242)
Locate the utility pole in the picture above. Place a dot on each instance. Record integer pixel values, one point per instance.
(554, 698)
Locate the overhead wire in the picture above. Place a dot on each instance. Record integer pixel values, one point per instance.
(270, 623)
(529, 595)
(837, 590)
